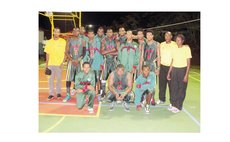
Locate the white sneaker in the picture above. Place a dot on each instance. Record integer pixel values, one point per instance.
(147, 109)
(90, 110)
(170, 107)
(160, 102)
(111, 106)
(73, 92)
(175, 110)
(126, 107)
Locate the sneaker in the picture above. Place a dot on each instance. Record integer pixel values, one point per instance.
(147, 109)
(138, 107)
(126, 107)
(51, 97)
(175, 110)
(170, 107)
(58, 96)
(90, 110)
(153, 102)
(160, 102)
(67, 98)
(111, 106)
(73, 92)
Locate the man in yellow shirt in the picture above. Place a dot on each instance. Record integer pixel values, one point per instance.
(178, 73)
(55, 56)
(165, 60)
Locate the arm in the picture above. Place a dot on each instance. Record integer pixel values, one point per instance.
(111, 88)
(170, 70)
(103, 52)
(187, 70)
(67, 51)
(129, 84)
(84, 49)
(141, 58)
(158, 56)
(47, 59)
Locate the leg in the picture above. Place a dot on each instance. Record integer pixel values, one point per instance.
(174, 86)
(182, 89)
(59, 76)
(51, 81)
(80, 99)
(91, 94)
(138, 95)
(162, 83)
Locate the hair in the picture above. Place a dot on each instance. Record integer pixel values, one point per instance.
(129, 31)
(75, 28)
(180, 36)
(149, 31)
(91, 31)
(85, 63)
(140, 30)
(100, 28)
(168, 32)
(108, 29)
(120, 27)
(119, 66)
(145, 66)
(56, 28)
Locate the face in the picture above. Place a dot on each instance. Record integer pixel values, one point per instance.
(120, 71)
(179, 41)
(140, 35)
(149, 36)
(109, 33)
(100, 32)
(129, 36)
(168, 37)
(75, 32)
(122, 31)
(146, 71)
(86, 68)
(82, 30)
(90, 35)
(56, 33)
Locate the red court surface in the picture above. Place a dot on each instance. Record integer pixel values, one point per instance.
(57, 107)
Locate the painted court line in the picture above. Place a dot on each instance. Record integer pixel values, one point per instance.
(117, 105)
(195, 72)
(194, 78)
(55, 125)
(191, 116)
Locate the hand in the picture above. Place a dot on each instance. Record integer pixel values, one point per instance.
(90, 87)
(157, 72)
(122, 96)
(185, 78)
(168, 77)
(79, 91)
(75, 62)
(61, 66)
(118, 97)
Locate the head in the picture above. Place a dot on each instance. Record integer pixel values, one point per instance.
(56, 32)
(109, 32)
(100, 31)
(140, 34)
(90, 34)
(86, 67)
(145, 70)
(168, 36)
(120, 69)
(122, 31)
(129, 35)
(75, 32)
(82, 30)
(149, 35)
(180, 39)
